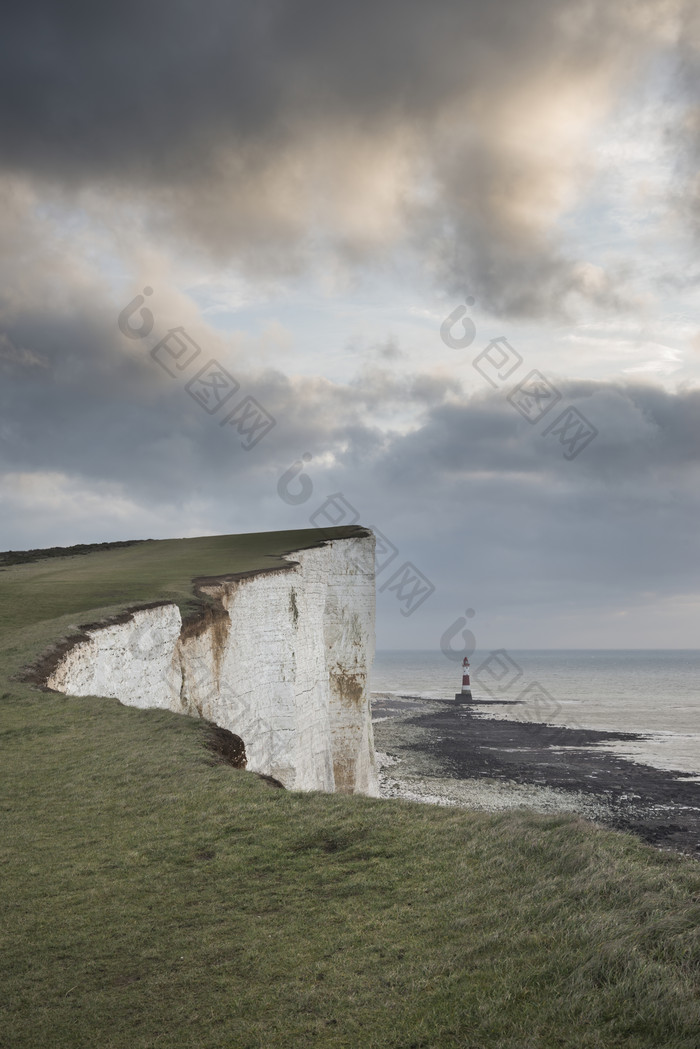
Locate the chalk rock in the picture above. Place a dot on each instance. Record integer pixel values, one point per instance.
(283, 662)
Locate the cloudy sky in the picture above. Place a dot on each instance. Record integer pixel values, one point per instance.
(432, 266)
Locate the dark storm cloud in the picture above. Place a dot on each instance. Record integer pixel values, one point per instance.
(86, 404)
(99, 443)
(524, 525)
(146, 89)
(249, 126)
(643, 432)
(76, 392)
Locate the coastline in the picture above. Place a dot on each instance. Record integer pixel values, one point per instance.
(436, 752)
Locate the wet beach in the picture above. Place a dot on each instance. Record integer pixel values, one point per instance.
(438, 751)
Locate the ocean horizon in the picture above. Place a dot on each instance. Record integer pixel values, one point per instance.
(651, 692)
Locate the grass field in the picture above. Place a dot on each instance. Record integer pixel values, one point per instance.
(154, 898)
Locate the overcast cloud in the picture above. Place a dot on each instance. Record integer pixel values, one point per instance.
(310, 189)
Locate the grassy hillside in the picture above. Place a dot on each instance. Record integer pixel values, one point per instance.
(43, 599)
(152, 897)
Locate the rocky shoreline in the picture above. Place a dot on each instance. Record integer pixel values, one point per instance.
(435, 751)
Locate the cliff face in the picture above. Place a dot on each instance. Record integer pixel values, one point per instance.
(283, 662)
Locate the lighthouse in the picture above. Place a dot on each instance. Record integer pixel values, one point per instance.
(466, 694)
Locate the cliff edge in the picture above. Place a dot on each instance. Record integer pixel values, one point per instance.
(282, 659)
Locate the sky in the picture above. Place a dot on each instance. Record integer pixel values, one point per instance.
(428, 267)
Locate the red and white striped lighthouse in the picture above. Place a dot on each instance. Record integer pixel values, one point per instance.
(466, 694)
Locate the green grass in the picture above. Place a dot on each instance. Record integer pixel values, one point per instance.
(44, 592)
(42, 601)
(152, 897)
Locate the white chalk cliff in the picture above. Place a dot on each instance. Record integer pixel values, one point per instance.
(283, 663)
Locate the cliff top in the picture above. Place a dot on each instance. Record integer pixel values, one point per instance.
(46, 595)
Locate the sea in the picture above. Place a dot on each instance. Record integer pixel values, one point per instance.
(652, 693)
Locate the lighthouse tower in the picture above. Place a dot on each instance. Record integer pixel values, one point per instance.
(466, 694)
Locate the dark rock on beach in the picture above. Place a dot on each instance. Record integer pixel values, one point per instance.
(442, 742)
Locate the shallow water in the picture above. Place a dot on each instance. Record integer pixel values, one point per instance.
(654, 692)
